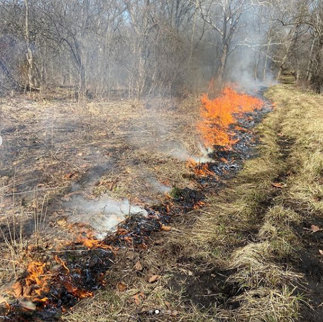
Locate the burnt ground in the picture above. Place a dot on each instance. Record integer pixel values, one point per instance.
(58, 158)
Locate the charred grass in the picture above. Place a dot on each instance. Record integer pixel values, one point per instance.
(252, 254)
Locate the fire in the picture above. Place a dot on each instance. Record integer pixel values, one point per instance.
(36, 282)
(60, 261)
(219, 116)
(90, 242)
(40, 281)
(37, 278)
(200, 169)
(79, 293)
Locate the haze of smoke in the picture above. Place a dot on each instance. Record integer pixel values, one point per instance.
(102, 215)
(248, 66)
(158, 186)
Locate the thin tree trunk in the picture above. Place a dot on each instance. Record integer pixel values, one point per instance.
(264, 73)
(221, 70)
(308, 71)
(193, 34)
(29, 54)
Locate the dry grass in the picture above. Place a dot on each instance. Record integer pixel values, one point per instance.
(264, 304)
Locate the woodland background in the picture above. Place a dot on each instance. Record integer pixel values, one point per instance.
(135, 48)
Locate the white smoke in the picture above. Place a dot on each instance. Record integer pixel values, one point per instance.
(102, 215)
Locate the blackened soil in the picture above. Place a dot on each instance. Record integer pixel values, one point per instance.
(137, 229)
(83, 271)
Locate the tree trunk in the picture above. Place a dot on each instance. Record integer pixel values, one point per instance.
(29, 54)
(223, 62)
(308, 71)
(264, 73)
(82, 84)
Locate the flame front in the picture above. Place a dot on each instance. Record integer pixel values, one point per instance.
(219, 116)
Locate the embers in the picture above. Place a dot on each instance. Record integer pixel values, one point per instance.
(60, 282)
(200, 169)
(136, 229)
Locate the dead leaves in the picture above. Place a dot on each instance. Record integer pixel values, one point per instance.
(121, 286)
(138, 266)
(278, 185)
(107, 184)
(71, 175)
(166, 228)
(154, 278)
(138, 298)
(314, 229)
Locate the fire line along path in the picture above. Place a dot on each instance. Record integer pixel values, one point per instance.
(60, 176)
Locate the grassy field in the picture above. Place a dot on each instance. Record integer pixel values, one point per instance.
(253, 254)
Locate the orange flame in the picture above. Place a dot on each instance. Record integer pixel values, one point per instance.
(200, 169)
(72, 289)
(90, 242)
(37, 279)
(219, 114)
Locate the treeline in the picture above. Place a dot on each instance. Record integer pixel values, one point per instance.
(132, 48)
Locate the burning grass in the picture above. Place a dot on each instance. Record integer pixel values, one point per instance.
(219, 116)
(59, 282)
(66, 276)
(200, 169)
(50, 156)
